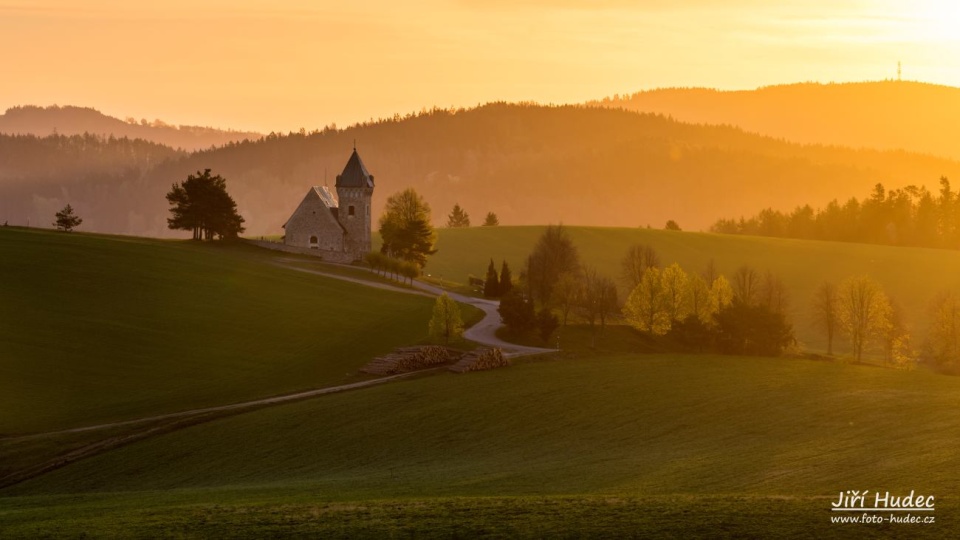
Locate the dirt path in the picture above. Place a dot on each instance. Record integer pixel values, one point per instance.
(484, 332)
(225, 408)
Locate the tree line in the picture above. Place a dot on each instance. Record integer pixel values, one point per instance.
(702, 312)
(911, 216)
(860, 310)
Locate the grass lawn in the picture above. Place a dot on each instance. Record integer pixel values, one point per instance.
(100, 328)
(680, 439)
(912, 276)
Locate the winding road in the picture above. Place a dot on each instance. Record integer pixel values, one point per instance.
(484, 333)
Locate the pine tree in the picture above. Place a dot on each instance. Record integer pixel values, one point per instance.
(506, 279)
(458, 217)
(491, 286)
(66, 219)
(491, 221)
(202, 205)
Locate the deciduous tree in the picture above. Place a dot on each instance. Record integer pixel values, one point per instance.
(202, 205)
(446, 323)
(825, 310)
(635, 262)
(553, 255)
(405, 228)
(944, 338)
(647, 306)
(864, 312)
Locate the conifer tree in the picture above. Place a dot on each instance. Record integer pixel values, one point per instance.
(491, 286)
(66, 219)
(506, 279)
(458, 217)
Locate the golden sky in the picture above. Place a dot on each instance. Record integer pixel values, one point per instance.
(285, 64)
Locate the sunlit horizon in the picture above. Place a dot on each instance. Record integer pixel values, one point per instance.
(291, 64)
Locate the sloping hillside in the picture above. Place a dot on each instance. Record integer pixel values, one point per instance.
(912, 276)
(69, 120)
(529, 164)
(892, 115)
(720, 437)
(100, 329)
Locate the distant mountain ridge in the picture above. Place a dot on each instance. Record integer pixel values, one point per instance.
(885, 115)
(529, 164)
(70, 120)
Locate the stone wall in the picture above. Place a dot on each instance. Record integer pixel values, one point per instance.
(328, 256)
(314, 219)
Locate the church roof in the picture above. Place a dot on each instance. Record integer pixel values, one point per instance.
(324, 193)
(355, 174)
(326, 198)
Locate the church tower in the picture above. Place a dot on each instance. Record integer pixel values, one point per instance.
(355, 192)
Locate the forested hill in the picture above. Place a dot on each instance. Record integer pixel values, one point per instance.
(68, 120)
(529, 164)
(912, 116)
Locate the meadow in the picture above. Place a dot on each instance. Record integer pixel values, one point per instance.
(619, 444)
(911, 276)
(100, 328)
(615, 440)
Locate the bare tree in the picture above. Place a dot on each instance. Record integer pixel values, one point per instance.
(944, 339)
(864, 312)
(773, 293)
(746, 286)
(710, 273)
(638, 258)
(825, 312)
(598, 299)
(567, 294)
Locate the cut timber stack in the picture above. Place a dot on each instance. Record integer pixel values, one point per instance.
(480, 359)
(406, 359)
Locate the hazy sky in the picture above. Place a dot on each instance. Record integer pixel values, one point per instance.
(285, 64)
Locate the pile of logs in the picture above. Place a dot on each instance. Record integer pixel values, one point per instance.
(480, 359)
(406, 359)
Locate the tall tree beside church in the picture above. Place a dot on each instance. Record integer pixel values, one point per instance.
(458, 217)
(405, 228)
(202, 205)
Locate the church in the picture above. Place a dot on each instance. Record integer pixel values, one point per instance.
(338, 228)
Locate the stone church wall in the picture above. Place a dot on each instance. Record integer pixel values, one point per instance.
(327, 256)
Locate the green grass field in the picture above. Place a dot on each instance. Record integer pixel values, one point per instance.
(101, 328)
(912, 276)
(592, 442)
(716, 432)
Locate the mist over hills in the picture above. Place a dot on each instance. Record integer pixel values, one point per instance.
(892, 115)
(69, 120)
(530, 164)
